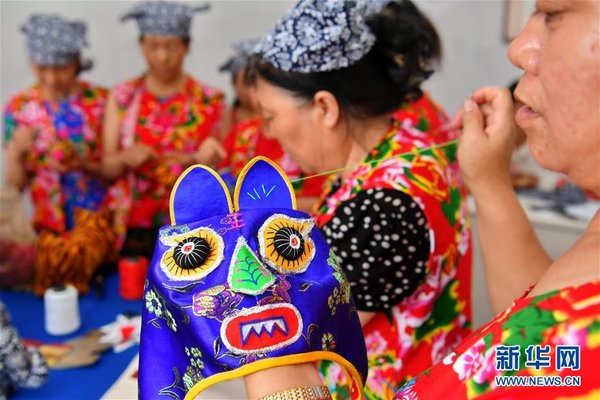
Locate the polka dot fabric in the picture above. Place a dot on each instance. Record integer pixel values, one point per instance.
(382, 236)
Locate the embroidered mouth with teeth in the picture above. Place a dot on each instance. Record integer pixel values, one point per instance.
(261, 329)
(268, 326)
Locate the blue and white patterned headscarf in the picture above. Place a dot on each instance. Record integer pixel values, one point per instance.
(319, 36)
(164, 18)
(243, 50)
(374, 7)
(53, 41)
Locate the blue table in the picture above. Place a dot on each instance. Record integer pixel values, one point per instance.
(91, 382)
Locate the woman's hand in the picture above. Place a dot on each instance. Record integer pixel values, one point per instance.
(487, 141)
(211, 152)
(136, 155)
(23, 139)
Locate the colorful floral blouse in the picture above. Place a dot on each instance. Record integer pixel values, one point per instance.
(246, 141)
(171, 125)
(422, 304)
(542, 347)
(69, 128)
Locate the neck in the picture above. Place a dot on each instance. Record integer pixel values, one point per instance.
(55, 95)
(164, 87)
(365, 135)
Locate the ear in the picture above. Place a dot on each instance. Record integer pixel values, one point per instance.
(199, 193)
(263, 184)
(327, 108)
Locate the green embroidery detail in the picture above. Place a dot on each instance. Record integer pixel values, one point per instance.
(246, 273)
(342, 294)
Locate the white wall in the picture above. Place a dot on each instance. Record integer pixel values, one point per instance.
(471, 31)
(475, 53)
(114, 45)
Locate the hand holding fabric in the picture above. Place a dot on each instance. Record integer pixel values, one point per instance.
(136, 155)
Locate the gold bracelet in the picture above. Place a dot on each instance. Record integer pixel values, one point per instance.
(301, 393)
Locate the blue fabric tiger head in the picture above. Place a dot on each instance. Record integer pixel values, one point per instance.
(239, 286)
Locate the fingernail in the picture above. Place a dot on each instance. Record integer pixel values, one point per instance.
(469, 105)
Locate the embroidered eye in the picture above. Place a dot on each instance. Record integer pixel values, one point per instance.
(289, 243)
(191, 252)
(285, 243)
(191, 255)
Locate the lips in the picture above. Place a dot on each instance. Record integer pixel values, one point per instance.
(524, 114)
(262, 328)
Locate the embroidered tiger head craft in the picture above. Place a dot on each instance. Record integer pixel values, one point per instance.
(239, 286)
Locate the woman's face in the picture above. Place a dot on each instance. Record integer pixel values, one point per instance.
(559, 52)
(296, 124)
(164, 56)
(56, 81)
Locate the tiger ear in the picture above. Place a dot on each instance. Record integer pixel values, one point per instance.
(199, 193)
(263, 184)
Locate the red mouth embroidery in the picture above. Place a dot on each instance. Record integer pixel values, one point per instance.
(262, 328)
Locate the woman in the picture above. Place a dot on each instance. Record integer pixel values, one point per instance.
(559, 52)
(395, 218)
(246, 139)
(244, 107)
(52, 129)
(157, 125)
(53, 147)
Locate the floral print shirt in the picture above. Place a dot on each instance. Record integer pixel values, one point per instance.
(432, 318)
(69, 128)
(553, 338)
(169, 125)
(246, 141)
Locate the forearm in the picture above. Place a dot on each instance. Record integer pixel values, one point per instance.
(273, 380)
(16, 174)
(512, 254)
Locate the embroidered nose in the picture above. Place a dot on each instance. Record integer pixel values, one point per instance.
(247, 274)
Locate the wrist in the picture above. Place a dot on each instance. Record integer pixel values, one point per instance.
(310, 392)
(486, 188)
(278, 379)
(490, 196)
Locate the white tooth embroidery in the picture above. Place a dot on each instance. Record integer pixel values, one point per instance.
(260, 326)
(284, 318)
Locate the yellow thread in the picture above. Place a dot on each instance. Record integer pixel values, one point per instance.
(408, 153)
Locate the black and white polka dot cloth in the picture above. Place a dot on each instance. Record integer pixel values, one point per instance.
(382, 240)
(164, 18)
(20, 366)
(53, 41)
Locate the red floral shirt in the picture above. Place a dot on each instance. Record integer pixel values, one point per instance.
(425, 326)
(71, 127)
(177, 123)
(548, 344)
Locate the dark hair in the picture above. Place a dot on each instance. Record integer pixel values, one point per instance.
(407, 48)
(186, 40)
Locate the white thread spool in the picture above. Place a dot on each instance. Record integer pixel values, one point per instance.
(62, 310)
